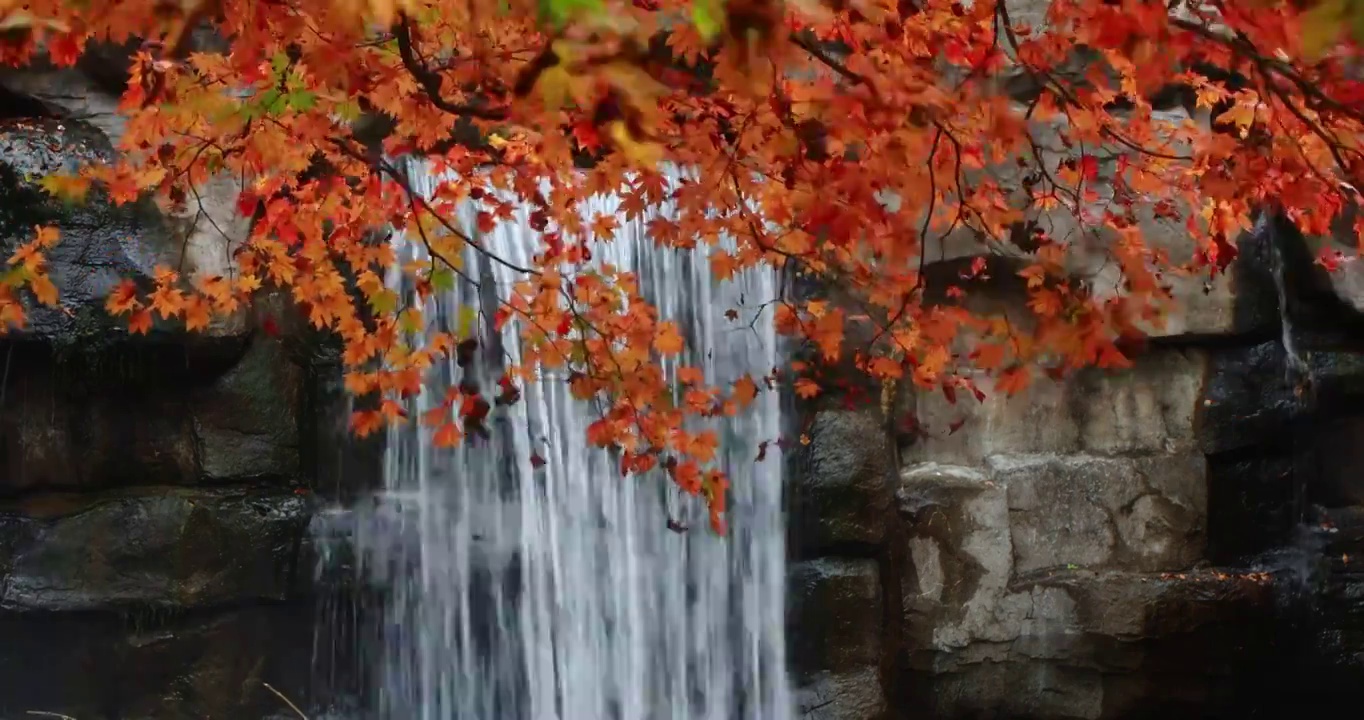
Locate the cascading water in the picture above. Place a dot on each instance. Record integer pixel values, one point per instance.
(526, 579)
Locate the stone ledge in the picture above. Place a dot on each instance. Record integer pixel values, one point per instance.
(1150, 408)
(159, 547)
(1021, 513)
(1095, 644)
(842, 490)
(854, 695)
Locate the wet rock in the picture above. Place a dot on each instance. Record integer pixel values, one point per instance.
(102, 243)
(1248, 399)
(247, 423)
(163, 548)
(152, 666)
(1253, 502)
(844, 483)
(58, 432)
(134, 416)
(853, 695)
(836, 614)
(1168, 636)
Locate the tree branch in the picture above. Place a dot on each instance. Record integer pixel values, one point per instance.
(431, 80)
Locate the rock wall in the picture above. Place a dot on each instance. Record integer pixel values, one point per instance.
(153, 489)
(1167, 538)
(1181, 537)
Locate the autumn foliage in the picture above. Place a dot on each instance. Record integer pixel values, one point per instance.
(847, 140)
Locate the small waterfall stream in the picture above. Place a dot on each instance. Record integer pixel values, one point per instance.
(520, 589)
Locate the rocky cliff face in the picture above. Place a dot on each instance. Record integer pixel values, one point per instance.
(1178, 537)
(153, 509)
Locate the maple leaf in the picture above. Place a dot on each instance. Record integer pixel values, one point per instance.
(745, 390)
(43, 289)
(667, 339)
(140, 321)
(122, 299)
(789, 159)
(66, 187)
(447, 435)
(807, 388)
(198, 313)
(604, 226)
(1013, 380)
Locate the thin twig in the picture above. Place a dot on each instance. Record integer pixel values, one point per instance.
(281, 696)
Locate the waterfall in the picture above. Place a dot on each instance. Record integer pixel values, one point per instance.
(526, 579)
(1295, 367)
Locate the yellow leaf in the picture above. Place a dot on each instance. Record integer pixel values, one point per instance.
(554, 87)
(1321, 26)
(644, 153)
(66, 187)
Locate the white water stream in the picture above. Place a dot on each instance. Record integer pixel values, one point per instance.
(558, 592)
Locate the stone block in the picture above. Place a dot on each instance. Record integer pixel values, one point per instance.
(61, 432)
(835, 616)
(1148, 408)
(961, 557)
(1165, 638)
(155, 666)
(1140, 513)
(170, 548)
(842, 483)
(855, 695)
(104, 243)
(246, 424)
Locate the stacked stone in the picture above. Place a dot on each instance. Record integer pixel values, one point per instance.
(153, 513)
(1165, 538)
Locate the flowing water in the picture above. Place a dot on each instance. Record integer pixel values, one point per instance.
(524, 578)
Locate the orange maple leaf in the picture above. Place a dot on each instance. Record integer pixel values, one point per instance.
(667, 339)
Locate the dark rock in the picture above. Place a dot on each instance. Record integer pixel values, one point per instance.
(59, 431)
(855, 695)
(1335, 460)
(843, 483)
(1249, 398)
(836, 615)
(163, 548)
(247, 423)
(154, 666)
(1253, 502)
(102, 243)
(345, 468)
(127, 419)
(1103, 645)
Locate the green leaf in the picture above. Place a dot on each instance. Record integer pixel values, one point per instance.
(443, 279)
(265, 101)
(468, 315)
(410, 321)
(560, 11)
(278, 104)
(349, 111)
(302, 100)
(708, 17)
(384, 302)
(279, 63)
